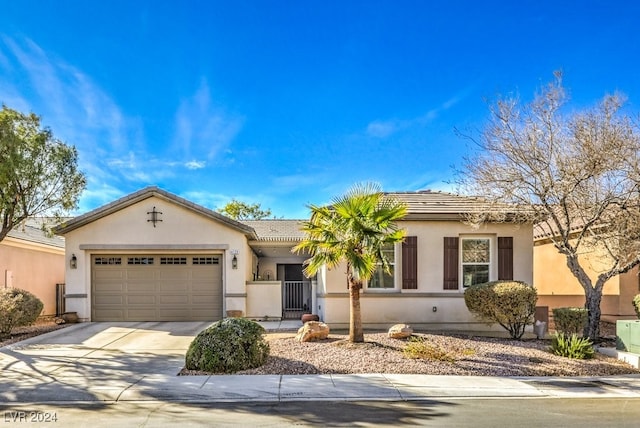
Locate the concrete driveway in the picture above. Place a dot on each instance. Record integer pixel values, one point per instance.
(93, 361)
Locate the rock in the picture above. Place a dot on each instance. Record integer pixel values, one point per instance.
(312, 330)
(309, 317)
(400, 331)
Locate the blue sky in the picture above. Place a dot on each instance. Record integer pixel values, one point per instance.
(287, 103)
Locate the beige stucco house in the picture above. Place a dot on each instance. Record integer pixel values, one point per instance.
(557, 287)
(155, 256)
(32, 260)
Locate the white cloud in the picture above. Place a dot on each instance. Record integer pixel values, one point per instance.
(386, 128)
(194, 164)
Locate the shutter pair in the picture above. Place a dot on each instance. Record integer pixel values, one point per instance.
(505, 261)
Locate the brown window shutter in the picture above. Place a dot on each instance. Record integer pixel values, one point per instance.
(450, 263)
(505, 258)
(410, 263)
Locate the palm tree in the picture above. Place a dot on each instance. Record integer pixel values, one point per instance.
(354, 229)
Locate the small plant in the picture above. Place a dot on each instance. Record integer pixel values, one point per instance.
(228, 346)
(636, 305)
(512, 304)
(418, 348)
(17, 308)
(572, 346)
(570, 320)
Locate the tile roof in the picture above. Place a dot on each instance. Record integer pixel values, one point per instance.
(276, 230)
(32, 231)
(429, 205)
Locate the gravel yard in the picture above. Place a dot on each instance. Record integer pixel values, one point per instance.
(450, 355)
(455, 355)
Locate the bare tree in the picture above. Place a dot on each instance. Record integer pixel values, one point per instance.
(576, 172)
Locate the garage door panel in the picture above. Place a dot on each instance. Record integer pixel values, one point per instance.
(178, 299)
(106, 274)
(141, 287)
(141, 299)
(141, 272)
(172, 289)
(108, 314)
(174, 274)
(206, 299)
(109, 287)
(109, 299)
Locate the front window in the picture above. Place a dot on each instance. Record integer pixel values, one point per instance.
(476, 260)
(380, 278)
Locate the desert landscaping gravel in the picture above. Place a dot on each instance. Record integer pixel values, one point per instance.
(461, 355)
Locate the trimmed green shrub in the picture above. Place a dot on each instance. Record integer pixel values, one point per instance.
(228, 346)
(17, 308)
(570, 320)
(572, 346)
(512, 304)
(636, 305)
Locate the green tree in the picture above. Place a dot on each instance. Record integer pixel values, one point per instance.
(239, 210)
(354, 229)
(38, 172)
(576, 172)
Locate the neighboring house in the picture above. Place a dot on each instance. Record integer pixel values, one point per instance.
(557, 287)
(154, 256)
(32, 260)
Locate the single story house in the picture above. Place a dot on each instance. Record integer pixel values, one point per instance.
(154, 256)
(33, 260)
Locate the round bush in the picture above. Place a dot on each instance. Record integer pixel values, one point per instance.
(512, 304)
(636, 304)
(17, 308)
(228, 346)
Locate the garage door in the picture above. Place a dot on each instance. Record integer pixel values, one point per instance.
(156, 288)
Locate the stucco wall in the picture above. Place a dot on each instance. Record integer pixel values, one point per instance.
(181, 231)
(558, 287)
(264, 299)
(32, 267)
(381, 308)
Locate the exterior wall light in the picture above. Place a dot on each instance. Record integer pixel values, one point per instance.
(73, 262)
(234, 260)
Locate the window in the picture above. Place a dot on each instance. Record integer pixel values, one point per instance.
(140, 260)
(108, 261)
(205, 260)
(380, 278)
(173, 260)
(476, 260)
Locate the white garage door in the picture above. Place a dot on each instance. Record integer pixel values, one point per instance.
(156, 288)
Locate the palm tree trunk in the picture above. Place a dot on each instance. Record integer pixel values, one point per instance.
(356, 333)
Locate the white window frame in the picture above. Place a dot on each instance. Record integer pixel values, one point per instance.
(493, 257)
(395, 272)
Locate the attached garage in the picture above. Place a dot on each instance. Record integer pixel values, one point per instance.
(138, 287)
(153, 256)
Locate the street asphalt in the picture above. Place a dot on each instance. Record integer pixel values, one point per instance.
(127, 362)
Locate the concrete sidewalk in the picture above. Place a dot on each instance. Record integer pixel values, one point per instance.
(112, 362)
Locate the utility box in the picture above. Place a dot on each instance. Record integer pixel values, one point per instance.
(628, 336)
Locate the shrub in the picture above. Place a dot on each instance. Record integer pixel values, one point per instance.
(228, 346)
(572, 346)
(570, 320)
(512, 304)
(418, 348)
(636, 305)
(17, 308)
